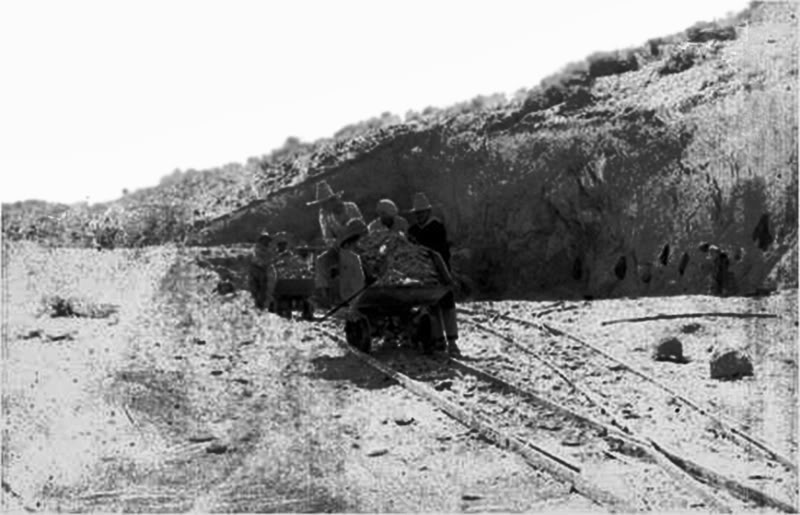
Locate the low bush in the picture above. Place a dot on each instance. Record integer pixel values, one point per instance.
(702, 32)
(57, 306)
(680, 60)
(573, 80)
(603, 64)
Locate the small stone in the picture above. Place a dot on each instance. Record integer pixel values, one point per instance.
(444, 385)
(60, 337)
(669, 349)
(201, 438)
(691, 328)
(573, 440)
(377, 452)
(225, 287)
(241, 380)
(216, 372)
(217, 448)
(217, 356)
(730, 364)
(35, 333)
(403, 420)
(471, 497)
(550, 425)
(198, 341)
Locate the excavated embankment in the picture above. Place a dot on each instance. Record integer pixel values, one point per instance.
(606, 197)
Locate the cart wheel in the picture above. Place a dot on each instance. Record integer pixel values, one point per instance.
(285, 309)
(357, 333)
(308, 311)
(422, 335)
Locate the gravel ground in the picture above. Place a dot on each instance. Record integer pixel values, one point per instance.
(187, 400)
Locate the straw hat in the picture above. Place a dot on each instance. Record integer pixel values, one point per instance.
(354, 229)
(324, 192)
(387, 207)
(420, 203)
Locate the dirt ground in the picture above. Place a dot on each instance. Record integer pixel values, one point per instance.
(188, 400)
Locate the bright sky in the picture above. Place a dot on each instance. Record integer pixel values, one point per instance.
(97, 96)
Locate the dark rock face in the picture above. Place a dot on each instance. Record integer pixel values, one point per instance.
(580, 200)
(730, 364)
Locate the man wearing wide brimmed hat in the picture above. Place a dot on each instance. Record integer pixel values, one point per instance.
(430, 232)
(426, 229)
(388, 219)
(334, 214)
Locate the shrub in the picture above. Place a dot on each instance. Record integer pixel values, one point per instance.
(680, 60)
(573, 80)
(56, 306)
(702, 32)
(603, 64)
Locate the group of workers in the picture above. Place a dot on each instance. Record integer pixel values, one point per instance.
(339, 275)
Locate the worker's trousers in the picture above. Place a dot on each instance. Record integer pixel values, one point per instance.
(262, 281)
(445, 325)
(327, 262)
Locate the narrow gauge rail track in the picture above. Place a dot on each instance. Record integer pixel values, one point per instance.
(627, 398)
(599, 461)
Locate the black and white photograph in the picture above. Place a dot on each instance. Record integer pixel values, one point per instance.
(437, 256)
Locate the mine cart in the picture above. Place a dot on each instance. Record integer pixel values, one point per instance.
(292, 292)
(293, 295)
(409, 308)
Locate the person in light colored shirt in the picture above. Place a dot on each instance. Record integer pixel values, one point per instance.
(351, 272)
(263, 275)
(334, 214)
(388, 219)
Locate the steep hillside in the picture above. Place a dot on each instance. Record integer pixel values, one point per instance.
(601, 181)
(604, 187)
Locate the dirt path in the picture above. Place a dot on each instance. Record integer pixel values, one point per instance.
(186, 400)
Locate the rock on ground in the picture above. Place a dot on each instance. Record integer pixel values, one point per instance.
(730, 364)
(669, 349)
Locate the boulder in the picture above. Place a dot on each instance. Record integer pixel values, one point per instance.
(669, 349)
(729, 364)
(225, 287)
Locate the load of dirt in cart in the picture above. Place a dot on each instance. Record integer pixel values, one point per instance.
(392, 260)
(289, 265)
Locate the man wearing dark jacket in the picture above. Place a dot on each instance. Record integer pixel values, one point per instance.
(430, 232)
(427, 230)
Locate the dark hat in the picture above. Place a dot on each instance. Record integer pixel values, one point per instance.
(264, 238)
(420, 203)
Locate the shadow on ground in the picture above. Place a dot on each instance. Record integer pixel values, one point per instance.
(348, 368)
